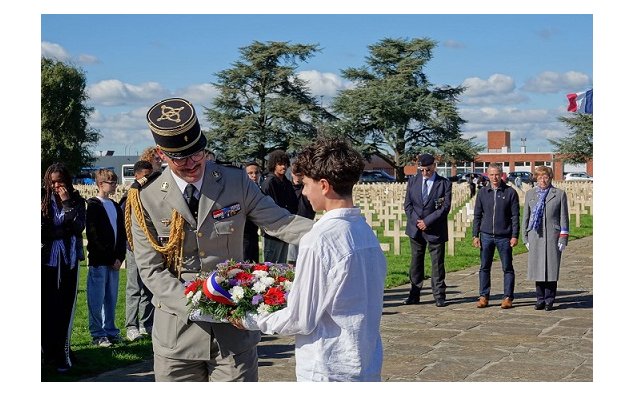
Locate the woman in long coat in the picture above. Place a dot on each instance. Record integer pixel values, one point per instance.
(545, 234)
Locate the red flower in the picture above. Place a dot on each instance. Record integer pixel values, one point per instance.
(281, 279)
(274, 296)
(243, 277)
(260, 267)
(193, 286)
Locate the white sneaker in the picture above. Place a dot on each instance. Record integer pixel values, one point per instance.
(145, 331)
(132, 334)
(103, 342)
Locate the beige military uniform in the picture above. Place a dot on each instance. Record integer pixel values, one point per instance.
(215, 237)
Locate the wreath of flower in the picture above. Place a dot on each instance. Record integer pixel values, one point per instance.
(236, 288)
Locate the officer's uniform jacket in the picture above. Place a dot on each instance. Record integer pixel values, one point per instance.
(216, 237)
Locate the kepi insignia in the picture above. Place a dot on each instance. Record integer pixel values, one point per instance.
(166, 222)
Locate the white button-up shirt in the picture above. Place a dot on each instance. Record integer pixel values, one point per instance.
(334, 308)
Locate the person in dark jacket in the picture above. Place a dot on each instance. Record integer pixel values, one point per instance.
(105, 231)
(427, 204)
(63, 220)
(251, 241)
(496, 225)
(139, 311)
(278, 187)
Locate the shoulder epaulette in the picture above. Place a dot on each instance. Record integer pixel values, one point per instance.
(145, 181)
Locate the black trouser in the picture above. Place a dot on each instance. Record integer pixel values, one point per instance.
(546, 292)
(58, 311)
(417, 267)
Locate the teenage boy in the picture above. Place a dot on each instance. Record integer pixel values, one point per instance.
(139, 311)
(334, 308)
(106, 236)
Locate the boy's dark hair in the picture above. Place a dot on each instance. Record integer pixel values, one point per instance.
(278, 157)
(252, 163)
(141, 165)
(334, 160)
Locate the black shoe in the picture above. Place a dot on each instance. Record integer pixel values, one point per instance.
(540, 306)
(441, 303)
(549, 307)
(411, 301)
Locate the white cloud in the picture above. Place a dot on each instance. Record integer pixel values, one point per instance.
(536, 125)
(453, 44)
(497, 84)
(88, 59)
(497, 89)
(124, 132)
(553, 82)
(55, 51)
(116, 93)
(201, 94)
(326, 84)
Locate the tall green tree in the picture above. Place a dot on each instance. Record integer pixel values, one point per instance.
(263, 105)
(577, 147)
(394, 112)
(66, 135)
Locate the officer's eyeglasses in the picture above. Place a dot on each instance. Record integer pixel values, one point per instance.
(426, 169)
(194, 157)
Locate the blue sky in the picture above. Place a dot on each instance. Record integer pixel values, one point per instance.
(517, 68)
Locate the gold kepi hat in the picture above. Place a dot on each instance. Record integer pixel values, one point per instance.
(175, 127)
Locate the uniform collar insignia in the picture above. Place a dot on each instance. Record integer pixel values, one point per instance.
(164, 186)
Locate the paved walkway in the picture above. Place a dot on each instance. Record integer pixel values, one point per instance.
(463, 343)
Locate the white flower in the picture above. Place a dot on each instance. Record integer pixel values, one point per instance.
(196, 297)
(287, 285)
(237, 293)
(263, 308)
(259, 287)
(260, 274)
(267, 280)
(190, 294)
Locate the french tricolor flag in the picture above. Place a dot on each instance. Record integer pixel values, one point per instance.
(580, 102)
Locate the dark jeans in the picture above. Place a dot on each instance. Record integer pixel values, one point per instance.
(275, 251)
(546, 292)
(488, 244)
(417, 266)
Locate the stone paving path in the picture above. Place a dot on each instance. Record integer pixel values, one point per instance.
(461, 342)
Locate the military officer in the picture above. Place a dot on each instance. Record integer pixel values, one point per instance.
(187, 219)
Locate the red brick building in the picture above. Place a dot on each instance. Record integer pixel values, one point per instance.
(498, 150)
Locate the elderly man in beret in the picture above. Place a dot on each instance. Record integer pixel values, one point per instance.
(190, 218)
(427, 204)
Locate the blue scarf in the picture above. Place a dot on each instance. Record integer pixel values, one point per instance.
(57, 247)
(538, 211)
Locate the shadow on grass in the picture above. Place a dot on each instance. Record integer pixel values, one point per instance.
(90, 361)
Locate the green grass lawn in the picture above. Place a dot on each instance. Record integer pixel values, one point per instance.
(93, 360)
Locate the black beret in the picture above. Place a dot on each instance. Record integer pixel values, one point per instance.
(175, 128)
(425, 160)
